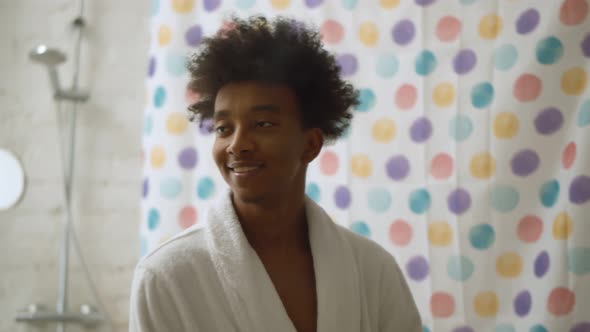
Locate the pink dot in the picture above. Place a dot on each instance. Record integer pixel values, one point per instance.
(332, 32)
(187, 217)
(441, 166)
(405, 97)
(569, 155)
(400, 233)
(573, 12)
(448, 28)
(527, 87)
(561, 301)
(329, 163)
(190, 96)
(442, 305)
(530, 228)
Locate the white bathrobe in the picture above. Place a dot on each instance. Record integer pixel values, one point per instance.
(209, 278)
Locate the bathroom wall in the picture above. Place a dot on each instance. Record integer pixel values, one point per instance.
(108, 153)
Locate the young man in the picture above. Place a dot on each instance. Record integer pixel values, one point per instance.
(268, 258)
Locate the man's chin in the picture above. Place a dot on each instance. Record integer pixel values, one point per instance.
(248, 195)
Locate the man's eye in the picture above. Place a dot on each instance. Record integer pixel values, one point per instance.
(220, 129)
(264, 124)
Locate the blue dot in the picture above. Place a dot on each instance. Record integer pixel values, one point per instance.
(505, 57)
(170, 187)
(349, 4)
(467, 2)
(176, 64)
(153, 219)
(148, 124)
(460, 268)
(361, 227)
(504, 328)
(538, 328)
(425, 328)
(159, 96)
(387, 65)
(379, 200)
(549, 193)
(482, 95)
(504, 198)
(578, 260)
(419, 201)
(549, 50)
(367, 100)
(460, 127)
(584, 115)
(245, 4)
(313, 191)
(425, 63)
(155, 7)
(205, 188)
(482, 236)
(143, 246)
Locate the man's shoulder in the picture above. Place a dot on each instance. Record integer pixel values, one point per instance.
(186, 248)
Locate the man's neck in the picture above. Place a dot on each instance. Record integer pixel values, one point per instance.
(269, 226)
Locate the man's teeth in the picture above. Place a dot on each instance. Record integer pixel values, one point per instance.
(244, 169)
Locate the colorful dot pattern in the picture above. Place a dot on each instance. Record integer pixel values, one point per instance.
(467, 158)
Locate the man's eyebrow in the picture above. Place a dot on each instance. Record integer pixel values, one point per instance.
(257, 108)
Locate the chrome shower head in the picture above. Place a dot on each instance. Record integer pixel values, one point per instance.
(47, 56)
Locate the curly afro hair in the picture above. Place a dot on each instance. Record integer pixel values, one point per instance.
(283, 51)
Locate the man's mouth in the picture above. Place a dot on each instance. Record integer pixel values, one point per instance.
(244, 169)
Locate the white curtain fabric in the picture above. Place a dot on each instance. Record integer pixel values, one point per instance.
(467, 159)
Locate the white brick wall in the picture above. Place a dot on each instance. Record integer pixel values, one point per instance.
(108, 163)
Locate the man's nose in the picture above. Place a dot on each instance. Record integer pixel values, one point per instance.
(241, 142)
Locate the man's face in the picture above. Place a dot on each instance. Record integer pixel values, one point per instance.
(261, 148)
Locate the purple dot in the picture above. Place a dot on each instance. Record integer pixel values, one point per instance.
(424, 2)
(459, 201)
(417, 268)
(342, 197)
(525, 162)
(541, 264)
(527, 21)
(403, 32)
(397, 167)
(188, 158)
(463, 329)
(152, 66)
(464, 61)
(586, 46)
(211, 5)
(580, 190)
(313, 3)
(348, 64)
(522, 303)
(146, 187)
(421, 130)
(581, 327)
(194, 35)
(548, 121)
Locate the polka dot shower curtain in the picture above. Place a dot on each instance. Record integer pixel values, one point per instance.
(468, 157)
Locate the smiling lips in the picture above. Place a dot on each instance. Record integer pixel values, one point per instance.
(244, 168)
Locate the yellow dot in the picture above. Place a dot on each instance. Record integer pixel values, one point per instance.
(482, 166)
(157, 157)
(176, 123)
(384, 130)
(361, 165)
(505, 125)
(183, 6)
(562, 226)
(485, 304)
(280, 4)
(509, 265)
(388, 4)
(164, 35)
(573, 81)
(368, 34)
(490, 26)
(440, 234)
(443, 94)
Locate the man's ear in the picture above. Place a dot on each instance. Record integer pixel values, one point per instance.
(314, 141)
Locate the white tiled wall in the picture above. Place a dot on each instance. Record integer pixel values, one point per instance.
(107, 184)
